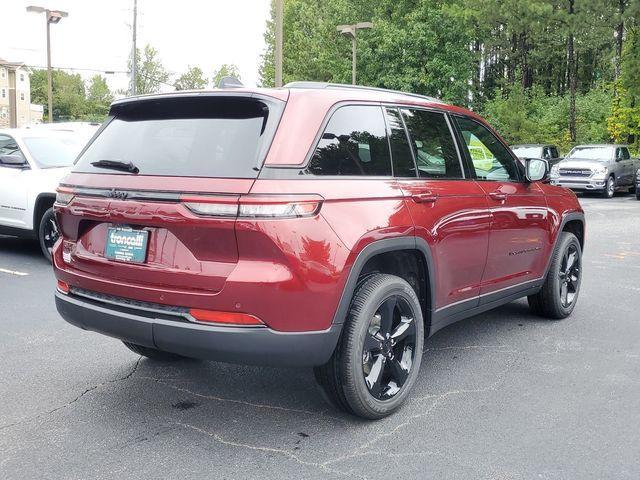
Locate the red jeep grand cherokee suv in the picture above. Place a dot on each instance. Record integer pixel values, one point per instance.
(314, 225)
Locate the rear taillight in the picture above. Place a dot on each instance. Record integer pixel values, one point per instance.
(255, 206)
(64, 196)
(257, 209)
(224, 318)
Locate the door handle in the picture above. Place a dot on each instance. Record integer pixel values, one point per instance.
(424, 197)
(498, 196)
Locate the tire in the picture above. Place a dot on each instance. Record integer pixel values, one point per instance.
(554, 300)
(609, 188)
(153, 353)
(383, 307)
(48, 233)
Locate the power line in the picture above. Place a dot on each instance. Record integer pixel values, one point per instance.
(75, 69)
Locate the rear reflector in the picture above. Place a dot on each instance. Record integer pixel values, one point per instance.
(63, 287)
(225, 318)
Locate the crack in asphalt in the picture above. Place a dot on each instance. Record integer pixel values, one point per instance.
(216, 398)
(218, 438)
(363, 449)
(500, 348)
(438, 399)
(68, 404)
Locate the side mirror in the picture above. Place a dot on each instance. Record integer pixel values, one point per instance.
(536, 169)
(13, 161)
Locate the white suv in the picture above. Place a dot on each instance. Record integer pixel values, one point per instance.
(32, 163)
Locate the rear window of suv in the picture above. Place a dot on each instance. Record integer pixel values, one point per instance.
(199, 136)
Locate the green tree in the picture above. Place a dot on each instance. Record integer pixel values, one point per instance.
(151, 72)
(99, 97)
(69, 100)
(225, 70)
(192, 79)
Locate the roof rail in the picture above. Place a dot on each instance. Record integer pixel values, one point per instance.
(321, 85)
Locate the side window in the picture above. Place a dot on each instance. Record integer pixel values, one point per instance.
(433, 145)
(353, 143)
(491, 160)
(554, 152)
(401, 155)
(625, 153)
(8, 146)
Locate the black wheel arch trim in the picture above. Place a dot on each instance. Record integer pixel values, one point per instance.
(36, 209)
(566, 218)
(383, 246)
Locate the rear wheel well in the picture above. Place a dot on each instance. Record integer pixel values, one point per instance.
(577, 228)
(409, 265)
(43, 203)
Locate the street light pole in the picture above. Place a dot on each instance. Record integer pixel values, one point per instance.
(49, 79)
(51, 16)
(350, 31)
(279, 40)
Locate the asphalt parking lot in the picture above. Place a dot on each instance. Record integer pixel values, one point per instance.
(504, 395)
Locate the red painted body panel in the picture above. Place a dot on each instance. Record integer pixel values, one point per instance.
(290, 273)
(519, 244)
(456, 227)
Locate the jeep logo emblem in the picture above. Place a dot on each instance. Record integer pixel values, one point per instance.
(120, 195)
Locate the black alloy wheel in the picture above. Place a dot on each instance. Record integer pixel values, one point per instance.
(48, 233)
(559, 293)
(377, 359)
(389, 348)
(569, 275)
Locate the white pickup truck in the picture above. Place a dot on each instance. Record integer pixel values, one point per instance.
(32, 163)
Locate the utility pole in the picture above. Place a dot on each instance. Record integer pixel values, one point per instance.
(278, 49)
(350, 31)
(49, 79)
(51, 16)
(134, 55)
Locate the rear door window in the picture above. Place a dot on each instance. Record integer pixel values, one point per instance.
(223, 137)
(402, 158)
(433, 145)
(353, 143)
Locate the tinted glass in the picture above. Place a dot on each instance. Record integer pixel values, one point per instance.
(52, 151)
(625, 153)
(8, 146)
(554, 152)
(433, 145)
(353, 143)
(491, 160)
(191, 137)
(403, 165)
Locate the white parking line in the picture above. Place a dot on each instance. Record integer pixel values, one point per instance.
(13, 272)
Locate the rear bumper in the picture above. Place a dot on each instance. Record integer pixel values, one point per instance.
(247, 345)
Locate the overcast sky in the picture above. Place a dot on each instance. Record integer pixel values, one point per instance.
(97, 34)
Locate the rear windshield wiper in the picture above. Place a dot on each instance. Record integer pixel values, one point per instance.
(116, 165)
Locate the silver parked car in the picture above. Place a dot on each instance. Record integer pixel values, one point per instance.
(599, 168)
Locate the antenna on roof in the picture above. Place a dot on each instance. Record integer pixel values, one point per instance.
(230, 82)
